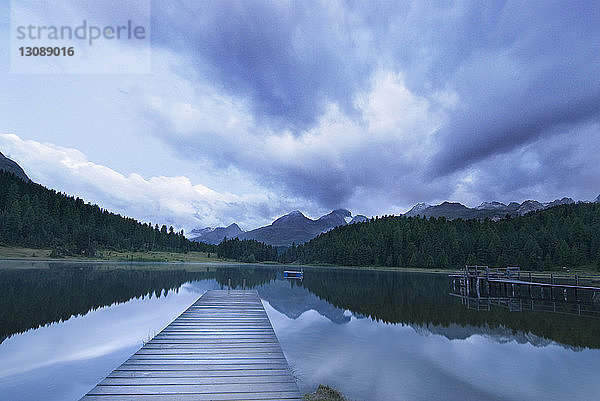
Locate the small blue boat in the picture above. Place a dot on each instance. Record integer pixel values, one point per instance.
(293, 274)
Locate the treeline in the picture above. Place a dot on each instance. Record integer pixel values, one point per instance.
(567, 235)
(34, 216)
(246, 250)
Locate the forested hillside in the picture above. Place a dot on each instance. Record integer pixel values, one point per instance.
(247, 250)
(567, 235)
(34, 216)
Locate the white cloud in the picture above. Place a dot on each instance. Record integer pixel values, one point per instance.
(168, 200)
(333, 163)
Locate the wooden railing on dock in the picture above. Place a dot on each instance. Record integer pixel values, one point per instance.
(223, 347)
(480, 288)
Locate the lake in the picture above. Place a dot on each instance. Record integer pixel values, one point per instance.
(374, 335)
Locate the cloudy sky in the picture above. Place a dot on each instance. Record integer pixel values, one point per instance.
(255, 108)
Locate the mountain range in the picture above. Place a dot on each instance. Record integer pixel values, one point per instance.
(296, 228)
(11, 166)
(215, 235)
(291, 228)
(491, 210)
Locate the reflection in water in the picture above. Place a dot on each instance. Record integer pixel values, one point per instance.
(246, 277)
(30, 298)
(422, 300)
(46, 293)
(62, 361)
(368, 360)
(33, 297)
(358, 330)
(292, 300)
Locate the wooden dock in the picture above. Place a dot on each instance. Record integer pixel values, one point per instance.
(223, 347)
(482, 278)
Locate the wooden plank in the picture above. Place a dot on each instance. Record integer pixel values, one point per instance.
(199, 380)
(195, 374)
(215, 360)
(263, 396)
(215, 341)
(209, 351)
(207, 357)
(210, 347)
(224, 327)
(203, 367)
(223, 347)
(103, 389)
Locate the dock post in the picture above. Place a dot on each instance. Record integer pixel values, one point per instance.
(576, 285)
(552, 287)
(244, 284)
(228, 284)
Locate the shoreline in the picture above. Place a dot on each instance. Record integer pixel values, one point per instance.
(18, 254)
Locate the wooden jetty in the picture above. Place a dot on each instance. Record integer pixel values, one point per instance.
(223, 347)
(478, 278)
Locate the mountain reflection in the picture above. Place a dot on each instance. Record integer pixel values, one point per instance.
(30, 298)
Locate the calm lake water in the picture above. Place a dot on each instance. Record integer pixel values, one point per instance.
(375, 336)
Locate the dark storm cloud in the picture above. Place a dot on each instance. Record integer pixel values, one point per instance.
(288, 58)
(506, 76)
(565, 164)
(544, 80)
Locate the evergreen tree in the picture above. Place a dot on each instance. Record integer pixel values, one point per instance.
(33, 216)
(566, 235)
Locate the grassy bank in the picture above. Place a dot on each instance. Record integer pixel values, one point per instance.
(19, 253)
